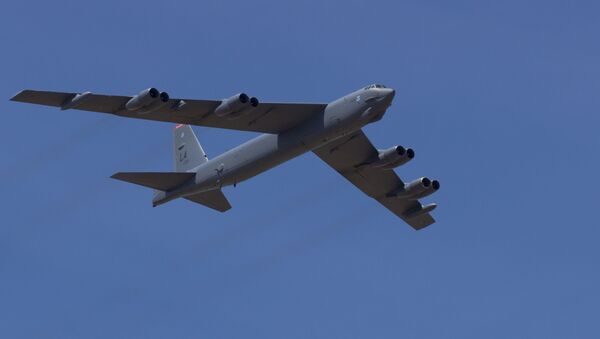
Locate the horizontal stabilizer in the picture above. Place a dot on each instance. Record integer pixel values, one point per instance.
(162, 181)
(214, 199)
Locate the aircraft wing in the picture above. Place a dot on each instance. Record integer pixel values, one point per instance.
(266, 118)
(346, 156)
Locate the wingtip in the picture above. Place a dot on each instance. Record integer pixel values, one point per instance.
(115, 176)
(16, 96)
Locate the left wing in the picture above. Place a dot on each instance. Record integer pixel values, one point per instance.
(265, 118)
(348, 156)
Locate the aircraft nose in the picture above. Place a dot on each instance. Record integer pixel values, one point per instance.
(389, 95)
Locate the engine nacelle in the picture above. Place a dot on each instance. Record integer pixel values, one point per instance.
(393, 157)
(156, 104)
(144, 98)
(417, 189)
(235, 105)
(253, 104)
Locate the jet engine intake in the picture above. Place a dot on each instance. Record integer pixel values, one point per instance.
(156, 104)
(417, 189)
(236, 105)
(144, 98)
(393, 157)
(245, 110)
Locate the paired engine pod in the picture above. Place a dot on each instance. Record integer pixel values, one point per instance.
(236, 106)
(232, 105)
(393, 157)
(417, 189)
(144, 98)
(147, 100)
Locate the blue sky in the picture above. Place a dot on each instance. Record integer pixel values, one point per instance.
(499, 100)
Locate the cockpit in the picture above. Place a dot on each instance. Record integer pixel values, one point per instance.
(375, 86)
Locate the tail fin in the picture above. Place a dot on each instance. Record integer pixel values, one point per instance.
(187, 151)
(188, 154)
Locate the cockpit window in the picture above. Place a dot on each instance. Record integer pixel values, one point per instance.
(375, 86)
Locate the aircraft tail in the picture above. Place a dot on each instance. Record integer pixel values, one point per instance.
(188, 154)
(187, 151)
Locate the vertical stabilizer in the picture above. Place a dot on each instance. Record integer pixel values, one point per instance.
(186, 149)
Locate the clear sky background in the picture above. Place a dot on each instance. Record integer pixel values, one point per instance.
(500, 100)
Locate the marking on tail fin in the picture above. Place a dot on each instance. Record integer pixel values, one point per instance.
(188, 152)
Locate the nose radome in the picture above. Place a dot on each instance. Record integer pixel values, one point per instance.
(389, 94)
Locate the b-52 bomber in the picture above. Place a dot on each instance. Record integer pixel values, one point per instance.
(331, 131)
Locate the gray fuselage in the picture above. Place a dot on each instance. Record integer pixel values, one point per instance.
(339, 118)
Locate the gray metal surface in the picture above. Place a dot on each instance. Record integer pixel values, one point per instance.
(187, 151)
(214, 199)
(346, 156)
(332, 131)
(158, 180)
(266, 118)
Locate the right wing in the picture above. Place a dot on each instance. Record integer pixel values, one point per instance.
(346, 156)
(266, 118)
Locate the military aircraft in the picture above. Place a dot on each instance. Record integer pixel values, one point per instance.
(332, 131)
